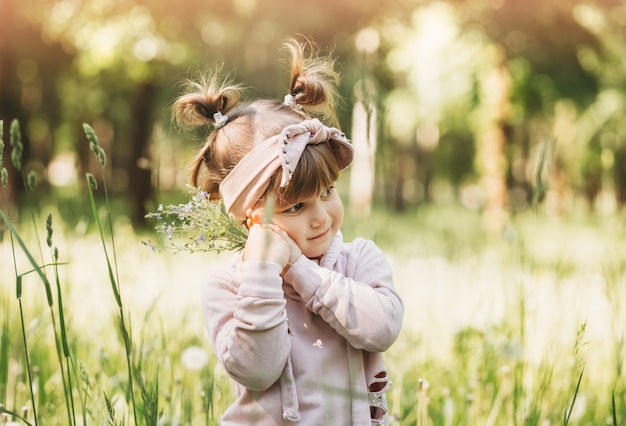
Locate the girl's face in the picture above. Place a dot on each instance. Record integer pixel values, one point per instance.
(313, 222)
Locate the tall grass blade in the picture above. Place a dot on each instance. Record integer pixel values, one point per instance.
(613, 408)
(67, 377)
(113, 275)
(568, 413)
(29, 182)
(111, 421)
(48, 288)
(4, 352)
(11, 413)
(207, 400)
(18, 286)
(85, 391)
(116, 294)
(94, 210)
(29, 256)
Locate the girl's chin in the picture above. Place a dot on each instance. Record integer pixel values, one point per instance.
(315, 254)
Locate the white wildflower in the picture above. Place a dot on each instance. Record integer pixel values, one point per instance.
(194, 358)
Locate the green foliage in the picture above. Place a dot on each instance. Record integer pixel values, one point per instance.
(564, 73)
(484, 375)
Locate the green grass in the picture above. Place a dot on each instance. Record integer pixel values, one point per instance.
(523, 328)
(492, 332)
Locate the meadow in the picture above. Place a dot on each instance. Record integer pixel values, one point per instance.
(521, 328)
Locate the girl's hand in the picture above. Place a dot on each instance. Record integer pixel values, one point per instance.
(265, 244)
(252, 251)
(294, 250)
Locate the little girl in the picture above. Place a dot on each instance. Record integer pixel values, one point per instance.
(300, 318)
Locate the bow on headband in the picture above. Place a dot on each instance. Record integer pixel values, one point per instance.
(244, 186)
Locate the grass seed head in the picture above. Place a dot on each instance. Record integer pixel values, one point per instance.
(1, 142)
(16, 143)
(94, 144)
(31, 181)
(93, 183)
(49, 230)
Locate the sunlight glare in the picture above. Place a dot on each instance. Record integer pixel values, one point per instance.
(212, 33)
(146, 48)
(61, 15)
(62, 170)
(590, 17)
(367, 40)
(244, 7)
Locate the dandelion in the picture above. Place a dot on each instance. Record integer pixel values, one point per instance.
(194, 358)
(512, 350)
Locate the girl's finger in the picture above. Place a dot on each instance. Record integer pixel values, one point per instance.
(257, 216)
(253, 217)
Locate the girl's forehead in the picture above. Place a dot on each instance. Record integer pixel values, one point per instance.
(307, 193)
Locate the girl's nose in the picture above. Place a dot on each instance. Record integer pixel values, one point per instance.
(319, 215)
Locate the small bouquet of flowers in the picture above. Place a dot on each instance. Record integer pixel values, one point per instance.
(199, 225)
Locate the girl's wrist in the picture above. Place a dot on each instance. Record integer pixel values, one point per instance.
(290, 263)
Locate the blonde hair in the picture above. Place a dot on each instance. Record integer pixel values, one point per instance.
(312, 86)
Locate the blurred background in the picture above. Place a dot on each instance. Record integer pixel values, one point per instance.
(495, 104)
(470, 119)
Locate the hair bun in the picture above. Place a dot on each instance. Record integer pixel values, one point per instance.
(204, 101)
(313, 82)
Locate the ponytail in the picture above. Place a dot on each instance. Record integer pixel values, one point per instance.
(237, 127)
(313, 81)
(204, 100)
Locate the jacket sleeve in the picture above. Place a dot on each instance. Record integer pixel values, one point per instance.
(247, 323)
(360, 302)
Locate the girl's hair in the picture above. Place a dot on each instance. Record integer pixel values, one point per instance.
(312, 88)
(316, 171)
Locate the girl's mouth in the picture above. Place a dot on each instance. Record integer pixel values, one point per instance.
(322, 235)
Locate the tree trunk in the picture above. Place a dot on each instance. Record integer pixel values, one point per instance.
(491, 140)
(362, 170)
(138, 164)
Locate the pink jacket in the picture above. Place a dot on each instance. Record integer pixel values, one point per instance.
(308, 351)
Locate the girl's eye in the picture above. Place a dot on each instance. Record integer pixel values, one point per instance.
(328, 192)
(294, 208)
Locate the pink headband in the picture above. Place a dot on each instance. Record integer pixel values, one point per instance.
(244, 186)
